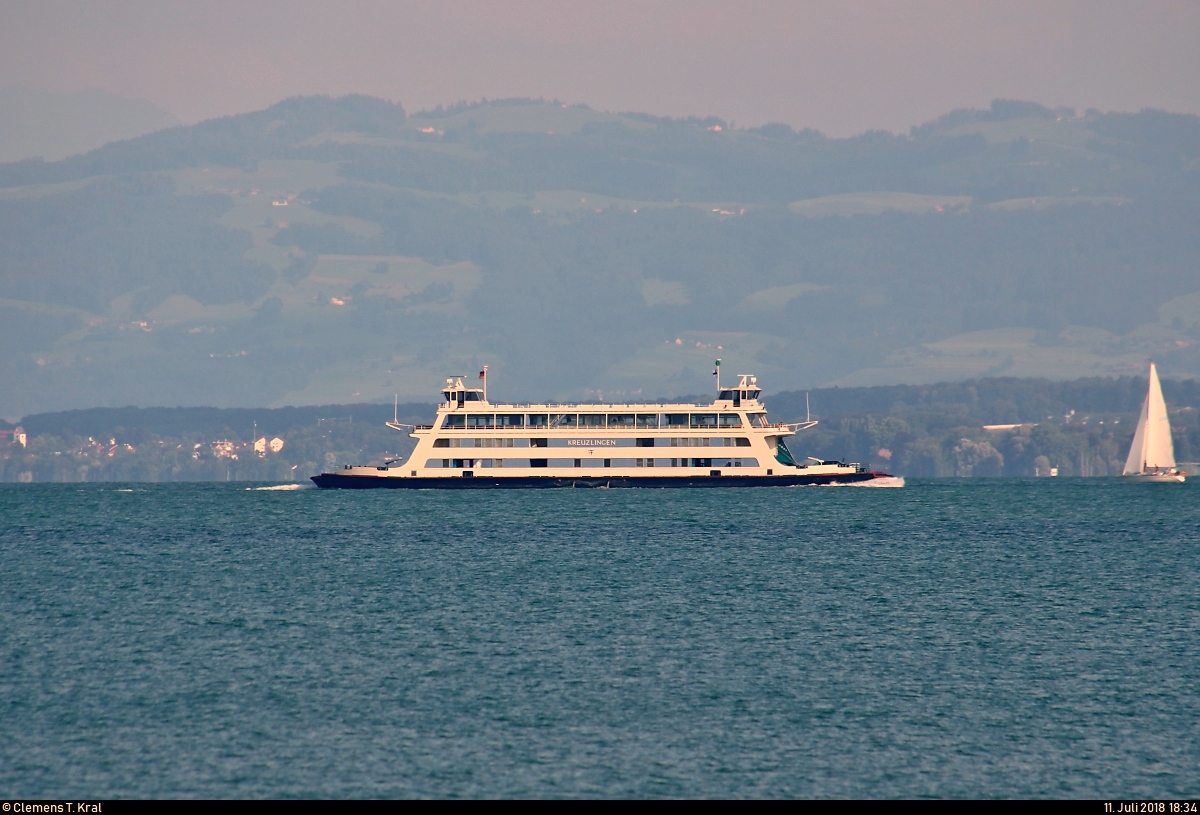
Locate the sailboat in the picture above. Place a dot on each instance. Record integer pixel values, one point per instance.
(1152, 456)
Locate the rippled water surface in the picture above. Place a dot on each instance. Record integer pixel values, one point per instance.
(951, 638)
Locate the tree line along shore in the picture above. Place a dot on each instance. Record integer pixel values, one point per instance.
(985, 427)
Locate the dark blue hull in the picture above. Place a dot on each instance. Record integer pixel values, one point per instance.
(478, 482)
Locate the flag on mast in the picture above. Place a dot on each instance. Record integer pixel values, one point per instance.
(483, 374)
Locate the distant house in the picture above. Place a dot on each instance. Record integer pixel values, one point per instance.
(14, 436)
(261, 446)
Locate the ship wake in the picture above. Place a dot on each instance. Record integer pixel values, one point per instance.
(890, 481)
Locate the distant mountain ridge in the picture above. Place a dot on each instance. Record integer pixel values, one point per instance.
(331, 250)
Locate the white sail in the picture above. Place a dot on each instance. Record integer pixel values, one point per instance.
(1137, 450)
(1151, 449)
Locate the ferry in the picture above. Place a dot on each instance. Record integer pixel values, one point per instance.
(474, 444)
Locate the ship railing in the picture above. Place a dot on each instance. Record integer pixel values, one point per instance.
(644, 407)
(589, 428)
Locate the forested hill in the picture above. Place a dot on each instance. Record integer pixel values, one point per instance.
(213, 423)
(974, 402)
(1002, 400)
(340, 250)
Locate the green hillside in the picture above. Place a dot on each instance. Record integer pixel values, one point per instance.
(339, 250)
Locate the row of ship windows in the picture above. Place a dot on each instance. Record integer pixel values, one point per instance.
(547, 442)
(584, 463)
(596, 421)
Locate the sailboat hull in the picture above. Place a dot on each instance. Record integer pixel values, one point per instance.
(1155, 478)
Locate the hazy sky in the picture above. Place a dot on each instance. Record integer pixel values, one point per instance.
(841, 67)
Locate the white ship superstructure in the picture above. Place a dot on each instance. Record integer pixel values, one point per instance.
(473, 443)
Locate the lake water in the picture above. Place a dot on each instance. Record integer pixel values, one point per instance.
(955, 638)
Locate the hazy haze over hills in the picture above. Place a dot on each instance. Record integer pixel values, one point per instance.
(56, 125)
(339, 250)
(838, 67)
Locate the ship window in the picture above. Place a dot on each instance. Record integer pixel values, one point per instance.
(727, 395)
(481, 420)
(536, 420)
(457, 422)
(578, 462)
(758, 419)
(742, 442)
(607, 462)
(704, 420)
(474, 396)
(564, 420)
(730, 420)
(539, 442)
(510, 420)
(647, 420)
(620, 420)
(537, 462)
(676, 419)
(591, 420)
(644, 443)
(441, 442)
